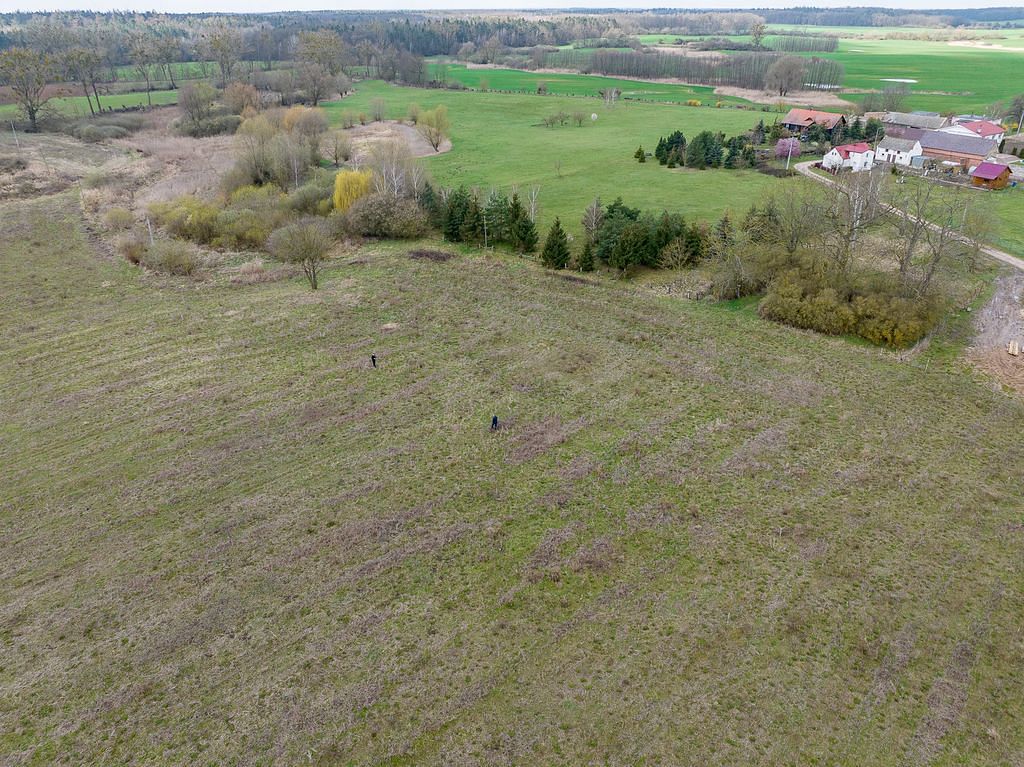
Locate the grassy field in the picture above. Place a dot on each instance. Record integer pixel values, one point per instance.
(1008, 207)
(76, 106)
(581, 85)
(499, 141)
(700, 538)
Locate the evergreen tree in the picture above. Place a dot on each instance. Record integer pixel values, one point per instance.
(586, 257)
(555, 254)
(632, 248)
(724, 235)
(856, 131)
(472, 229)
(522, 232)
(749, 156)
(455, 214)
(432, 206)
(661, 152)
(496, 218)
(696, 239)
(639, 154)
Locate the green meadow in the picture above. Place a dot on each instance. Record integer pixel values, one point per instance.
(499, 141)
(74, 106)
(565, 84)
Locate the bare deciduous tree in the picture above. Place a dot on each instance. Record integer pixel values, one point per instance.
(593, 217)
(27, 73)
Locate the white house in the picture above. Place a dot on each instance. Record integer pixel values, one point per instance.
(982, 128)
(856, 157)
(899, 151)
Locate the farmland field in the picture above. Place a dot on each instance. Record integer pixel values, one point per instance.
(498, 141)
(699, 538)
(951, 76)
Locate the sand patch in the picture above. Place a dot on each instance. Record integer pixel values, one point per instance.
(803, 98)
(364, 137)
(984, 45)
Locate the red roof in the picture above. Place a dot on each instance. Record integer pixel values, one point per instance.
(989, 171)
(984, 128)
(847, 149)
(808, 117)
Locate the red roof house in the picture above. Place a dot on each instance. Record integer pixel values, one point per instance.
(799, 120)
(856, 157)
(985, 129)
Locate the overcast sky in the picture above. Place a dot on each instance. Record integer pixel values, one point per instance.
(251, 6)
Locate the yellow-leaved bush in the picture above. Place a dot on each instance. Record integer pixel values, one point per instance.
(349, 186)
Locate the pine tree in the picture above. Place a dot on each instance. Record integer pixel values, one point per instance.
(472, 229)
(455, 214)
(522, 232)
(661, 152)
(586, 257)
(555, 254)
(639, 154)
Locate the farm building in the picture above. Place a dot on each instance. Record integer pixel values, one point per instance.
(898, 151)
(910, 124)
(1014, 145)
(982, 128)
(856, 157)
(964, 150)
(799, 121)
(990, 175)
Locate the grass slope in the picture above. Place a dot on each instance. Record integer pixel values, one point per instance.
(498, 141)
(701, 539)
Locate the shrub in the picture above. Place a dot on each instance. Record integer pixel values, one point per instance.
(172, 257)
(305, 243)
(378, 215)
(97, 133)
(313, 197)
(187, 217)
(413, 114)
(94, 179)
(214, 125)
(348, 120)
(132, 247)
(102, 128)
(350, 186)
(892, 320)
(872, 312)
(118, 218)
(693, 103)
(12, 164)
(239, 96)
(241, 228)
(305, 121)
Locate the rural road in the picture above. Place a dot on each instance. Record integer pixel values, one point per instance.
(804, 168)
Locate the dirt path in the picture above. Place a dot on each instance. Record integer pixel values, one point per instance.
(804, 168)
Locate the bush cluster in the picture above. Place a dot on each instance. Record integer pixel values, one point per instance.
(803, 300)
(104, 127)
(378, 215)
(171, 256)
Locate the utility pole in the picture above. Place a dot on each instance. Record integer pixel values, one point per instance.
(1019, 123)
(789, 153)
